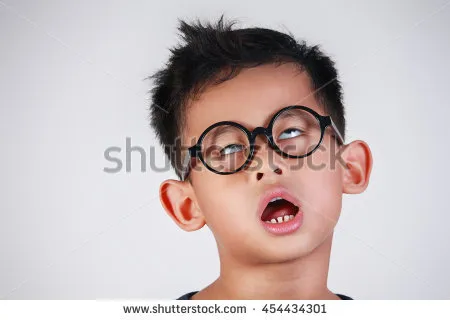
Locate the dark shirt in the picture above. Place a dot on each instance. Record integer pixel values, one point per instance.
(189, 295)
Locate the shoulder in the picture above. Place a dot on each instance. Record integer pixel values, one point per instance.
(187, 296)
(343, 296)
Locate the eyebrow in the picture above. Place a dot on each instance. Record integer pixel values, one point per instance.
(288, 114)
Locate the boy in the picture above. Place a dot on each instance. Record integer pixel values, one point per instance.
(253, 123)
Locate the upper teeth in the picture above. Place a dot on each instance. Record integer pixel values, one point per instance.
(275, 199)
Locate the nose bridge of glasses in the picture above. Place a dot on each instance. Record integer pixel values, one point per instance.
(266, 133)
(260, 130)
(263, 149)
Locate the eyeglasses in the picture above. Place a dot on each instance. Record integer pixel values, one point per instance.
(227, 147)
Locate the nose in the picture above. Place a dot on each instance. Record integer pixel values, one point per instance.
(267, 163)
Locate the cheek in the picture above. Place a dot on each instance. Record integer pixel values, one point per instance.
(323, 193)
(224, 207)
(325, 170)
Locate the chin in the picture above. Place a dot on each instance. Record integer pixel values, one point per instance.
(286, 251)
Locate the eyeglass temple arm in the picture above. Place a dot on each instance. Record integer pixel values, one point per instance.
(186, 166)
(336, 130)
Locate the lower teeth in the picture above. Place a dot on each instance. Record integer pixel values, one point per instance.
(281, 219)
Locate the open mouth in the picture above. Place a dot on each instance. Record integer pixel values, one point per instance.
(279, 210)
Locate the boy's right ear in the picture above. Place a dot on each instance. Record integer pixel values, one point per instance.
(178, 200)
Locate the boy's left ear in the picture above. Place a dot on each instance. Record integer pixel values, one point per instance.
(358, 159)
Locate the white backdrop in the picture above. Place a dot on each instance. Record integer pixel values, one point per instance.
(71, 85)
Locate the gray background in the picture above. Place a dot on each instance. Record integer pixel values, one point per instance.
(71, 85)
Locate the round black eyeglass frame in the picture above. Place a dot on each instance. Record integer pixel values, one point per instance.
(195, 150)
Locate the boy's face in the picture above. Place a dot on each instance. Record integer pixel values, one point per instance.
(231, 204)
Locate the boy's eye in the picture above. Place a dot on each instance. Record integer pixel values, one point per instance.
(290, 133)
(232, 148)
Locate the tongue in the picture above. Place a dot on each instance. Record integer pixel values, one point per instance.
(278, 209)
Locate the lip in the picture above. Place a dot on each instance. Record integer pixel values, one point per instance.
(284, 227)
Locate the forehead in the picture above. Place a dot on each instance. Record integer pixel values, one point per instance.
(251, 98)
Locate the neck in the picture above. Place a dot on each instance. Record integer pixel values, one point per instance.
(304, 278)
